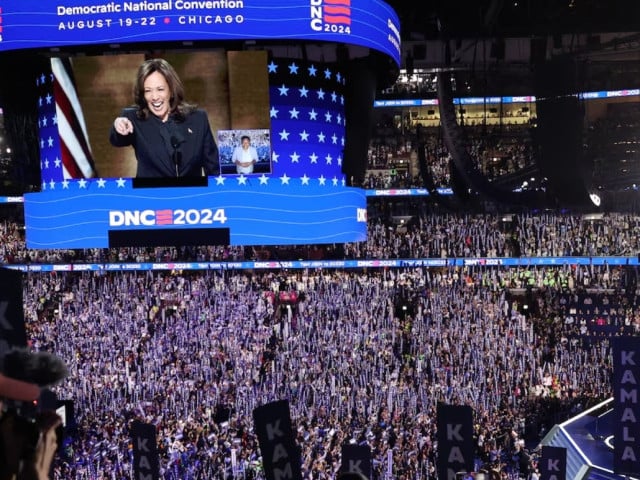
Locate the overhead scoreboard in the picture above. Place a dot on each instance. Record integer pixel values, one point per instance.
(300, 196)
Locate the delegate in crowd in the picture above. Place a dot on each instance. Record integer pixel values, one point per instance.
(424, 235)
(362, 356)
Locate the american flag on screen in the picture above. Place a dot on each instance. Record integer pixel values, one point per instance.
(307, 122)
(65, 152)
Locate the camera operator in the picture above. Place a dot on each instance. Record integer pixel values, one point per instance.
(21, 459)
(29, 434)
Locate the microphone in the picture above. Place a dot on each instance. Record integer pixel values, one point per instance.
(176, 140)
(42, 368)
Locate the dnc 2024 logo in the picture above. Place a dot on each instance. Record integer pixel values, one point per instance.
(331, 16)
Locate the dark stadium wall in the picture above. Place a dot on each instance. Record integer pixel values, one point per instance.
(19, 103)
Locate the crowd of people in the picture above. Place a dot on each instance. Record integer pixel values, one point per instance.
(362, 356)
(422, 235)
(496, 152)
(491, 235)
(612, 141)
(500, 152)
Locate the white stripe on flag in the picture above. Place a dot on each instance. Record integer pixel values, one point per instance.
(65, 172)
(62, 77)
(68, 134)
(71, 141)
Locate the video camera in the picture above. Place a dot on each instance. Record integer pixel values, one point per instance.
(28, 407)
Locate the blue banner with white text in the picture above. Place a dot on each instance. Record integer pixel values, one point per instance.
(626, 391)
(41, 24)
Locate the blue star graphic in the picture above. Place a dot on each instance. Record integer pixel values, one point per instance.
(303, 91)
(284, 91)
(312, 71)
(273, 68)
(304, 136)
(293, 113)
(313, 114)
(284, 135)
(293, 69)
(273, 113)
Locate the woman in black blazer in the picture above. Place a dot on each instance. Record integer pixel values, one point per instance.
(170, 137)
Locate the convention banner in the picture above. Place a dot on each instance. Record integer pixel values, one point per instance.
(626, 373)
(455, 440)
(37, 24)
(145, 451)
(553, 463)
(356, 459)
(280, 454)
(12, 331)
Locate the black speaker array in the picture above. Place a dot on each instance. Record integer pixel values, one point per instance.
(558, 138)
(360, 92)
